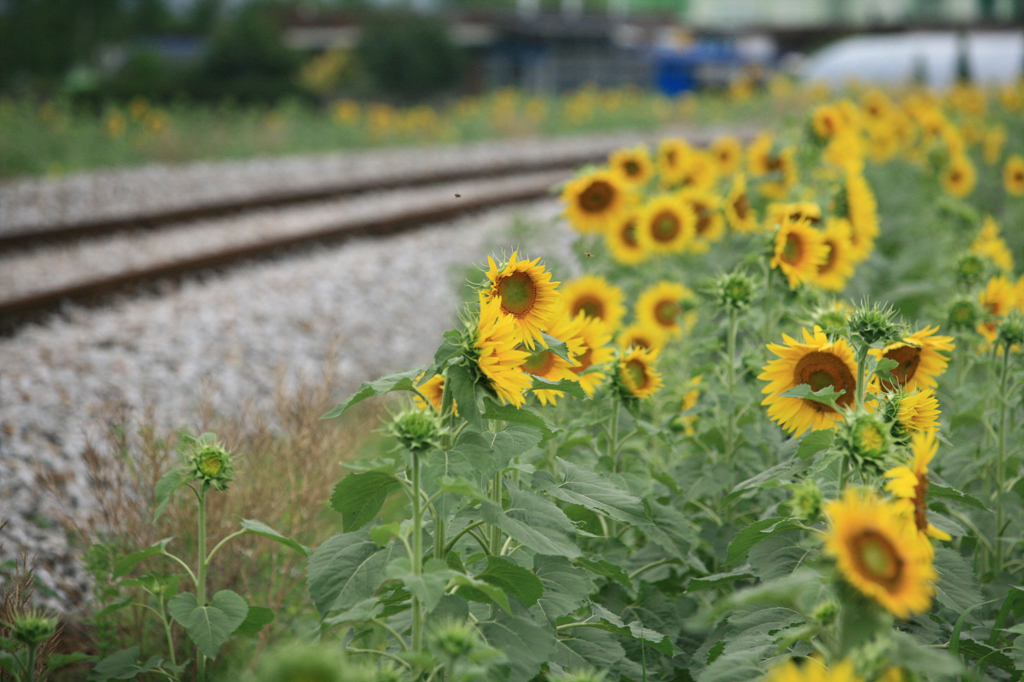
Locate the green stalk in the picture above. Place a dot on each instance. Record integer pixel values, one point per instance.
(495, 531)
(1001, 457)
(167, 629)
(201, 576)
(417, 552)
(613, 437)
(862, 361)
(730, 429)
(30, 667)
(767, 304)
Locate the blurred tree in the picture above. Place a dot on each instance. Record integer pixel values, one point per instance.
(202, 16)
(409, 54)
(151, 17)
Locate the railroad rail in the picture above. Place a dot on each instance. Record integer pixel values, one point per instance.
(325, 213)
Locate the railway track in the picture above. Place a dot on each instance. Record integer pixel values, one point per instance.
(87, 260)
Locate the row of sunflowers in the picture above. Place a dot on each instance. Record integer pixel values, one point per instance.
(767, 427)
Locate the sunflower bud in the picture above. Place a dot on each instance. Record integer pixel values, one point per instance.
(1011, 329)
(735, 290)
(304, 663)
(964, 313)
(33, 627)
(210, 463)
(826, 612)
(585, 675)
(454, 639)
(971, 269)
(875, 325)
(806, 500)
(417, 430)
(866, 438)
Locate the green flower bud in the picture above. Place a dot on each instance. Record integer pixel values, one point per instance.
(417, 430)
(826, 612)
(806, 500)
(964, 313)
(454, 639)
(585, 675)
(867, 439)
(971, 269)
(1011, 329)
(735, 290)
(304, 663)
(875, 325)
(960, 214)
(209, 463)
(33, 627)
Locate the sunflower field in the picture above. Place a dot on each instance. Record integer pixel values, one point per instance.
(768, 427)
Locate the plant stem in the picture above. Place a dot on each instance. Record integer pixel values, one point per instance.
(862, 361)
(167, 629)
(1001, 457)
(495, 531)
(613, 437)
(730, 376)
(201, 577)
(417, 552)
(30, 665)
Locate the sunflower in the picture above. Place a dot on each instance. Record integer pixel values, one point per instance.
(633, 166)
(826, 122)
(666, 306)
(710, 224)
(860, 206)
(597, 351)
(813, 670)
(593, 296)
(548, 365)
(875, 104)
(958, 177)
(998, 299)
(878, 551)
(727, 152)
(911, 483)
(838, 266)
(699, 171)
(666, 225)
(919, 358)
(799, 251)
(594, 201)
(738, 211)
(778, 212)
(670, 160)
(526, 292)
(785, 164)
(433, 389)
(640, 335)
(759, 155)
(497, 342)
(992, 144)
(818, 363)
(990, 244)
(689, 402)
(636, 373)
(918, 411)
(845, 150)
(1013, 175)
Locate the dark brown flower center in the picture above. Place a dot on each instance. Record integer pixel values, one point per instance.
(629, 234)
(518, 293)
(742, 206)
(597, 197)
(920, 503)
(831, 259)
(819, 369)
(632, 168)
(704, 216)
(636, 374)
(665, 313)
(665, 226)
(908, 358)
(590, 305)
(539, 363)
(876, 559)
(793, 249)
(585, 360)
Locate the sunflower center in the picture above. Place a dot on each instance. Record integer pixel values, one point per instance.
(632, 168)
(877, 559)
(518, 293)
(954, 176)
(908, 358)
(585, 361)
(773, 163)
(742, 206)
(1018, 176)
(830, 259)
(819, 369)
(793, 249)
(703, 218)
(590, 305)
(636, 374)
(665, 313)
(539, 363)
(920, 506)
(597, 197)
(665, 226)
(629, 234)
(670, 156)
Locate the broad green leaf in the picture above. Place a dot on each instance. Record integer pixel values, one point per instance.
(448, 349)
(364, 610)
(717, 579)
(565, 587)
(599, 649)
(755, 533)
(936, 490)
(477, 590)
(263, 530)
(557, 347)
(360, 496)
(209, 626)
(115, 605)
(513, 579)
(55, 661)
(777, 556)
(826, 396)
(987, 655)
(606, 620)
(462, 486)
(164, 489)
(671, 530)
(534, 521)
(569, 386)
(884, 367)
(527, 644)
(736, 666)
(590, 489)
(402, 381)
(346, 569)
(957, 588)
(515, 440)
(257, 617)
(931, 664)
(383, 533)
(606, 569)
(428, 586)
(120, 665)
(464, 392)
(815, 442)
(516, 415)
(125, 565)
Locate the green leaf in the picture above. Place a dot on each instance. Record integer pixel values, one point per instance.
(557, 347)
(263, 530)
(671, 530)
(402, 381)
(936, 490)
(736, 666)
(115, 605)
(515, 440)
(428, 586)
(569, 386)
(511, 413)
(209, 626)
(513, 579)
(715, 580)
(255, 620)
(125, 565)
(957, 587)
(462, 486)
(479, 591)
(526, 644)
(359, 497)
(606, 620)
(593, 491)
(383, 533)
(165, 487)
(884, 367)
(55, 661)
(120, 665)
(930, 664)
(464, 392)
(565, 587)
(826, 396)
(364, 610)
(598, 649)
(449, 348)
(346, 569)
(606, 569)
(755, 533)
(987, 655)
(534, 521)
(815, 442)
